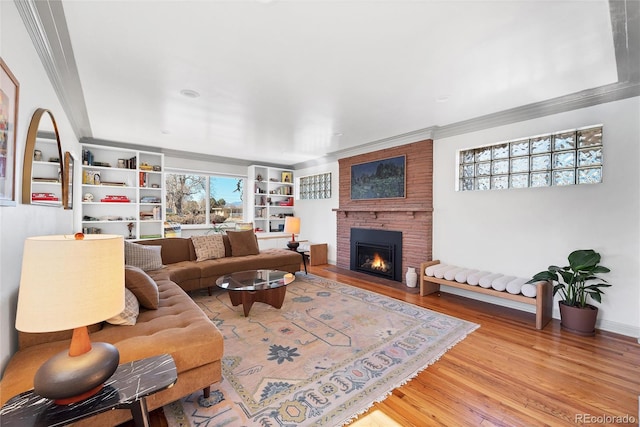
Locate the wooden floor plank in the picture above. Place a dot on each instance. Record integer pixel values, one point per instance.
(506, 373)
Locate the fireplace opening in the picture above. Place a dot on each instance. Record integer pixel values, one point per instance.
(377, 252)
(376, 259)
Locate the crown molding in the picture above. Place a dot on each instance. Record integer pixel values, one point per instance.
(188, 155)
(47, 26)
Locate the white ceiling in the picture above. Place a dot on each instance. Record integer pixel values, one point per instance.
(290, 81)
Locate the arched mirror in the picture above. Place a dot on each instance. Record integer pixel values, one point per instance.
(44, 181)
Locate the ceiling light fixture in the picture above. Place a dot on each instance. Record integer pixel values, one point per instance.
(189, 93)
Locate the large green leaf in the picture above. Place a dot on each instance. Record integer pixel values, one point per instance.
(583, 259)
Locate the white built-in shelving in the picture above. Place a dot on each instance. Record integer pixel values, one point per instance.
(134, 176)
(270, 192)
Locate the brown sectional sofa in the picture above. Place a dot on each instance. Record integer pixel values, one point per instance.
(179, 259)
(178, 326)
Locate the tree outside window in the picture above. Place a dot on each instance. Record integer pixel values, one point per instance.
(204, 199)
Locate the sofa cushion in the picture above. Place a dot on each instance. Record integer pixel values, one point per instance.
(174, 249)
(129, 315)
(143, 287)
(208, 247)
(243, 243)
(142, 256)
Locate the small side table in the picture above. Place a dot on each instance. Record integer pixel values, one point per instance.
(126, 389)
(303, 254)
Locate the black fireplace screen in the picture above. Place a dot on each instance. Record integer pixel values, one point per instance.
(377, 252)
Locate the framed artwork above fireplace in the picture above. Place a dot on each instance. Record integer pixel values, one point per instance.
(380, 179)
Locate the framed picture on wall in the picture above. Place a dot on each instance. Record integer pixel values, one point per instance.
(9, 90)
(380, 179)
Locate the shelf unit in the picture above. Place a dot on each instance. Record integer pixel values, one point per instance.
(271, 198)
(133, 174)
(45, 174)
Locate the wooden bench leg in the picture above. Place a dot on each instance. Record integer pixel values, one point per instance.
(427, 288)
(544, 304)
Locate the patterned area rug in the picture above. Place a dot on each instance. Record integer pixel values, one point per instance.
(325, 357)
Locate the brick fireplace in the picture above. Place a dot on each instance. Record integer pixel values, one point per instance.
(411, 215)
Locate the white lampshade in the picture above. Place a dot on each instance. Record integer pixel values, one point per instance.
(292, 225)
(68, 283)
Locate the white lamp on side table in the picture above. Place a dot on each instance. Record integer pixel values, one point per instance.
(70, 282)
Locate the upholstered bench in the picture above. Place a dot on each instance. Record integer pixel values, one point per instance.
(540, 294)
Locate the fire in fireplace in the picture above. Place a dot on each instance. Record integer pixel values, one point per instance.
(377, 252)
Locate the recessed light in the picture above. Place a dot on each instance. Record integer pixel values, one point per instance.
(337, 134)
(442, 99)
(189, 93)
(165, 131)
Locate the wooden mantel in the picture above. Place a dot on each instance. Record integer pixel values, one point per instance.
(374, 211)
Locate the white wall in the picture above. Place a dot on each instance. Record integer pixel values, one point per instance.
(521, 232)
(17, 223)
(317, 220)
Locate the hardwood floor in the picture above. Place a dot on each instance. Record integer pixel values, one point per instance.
(507, 373)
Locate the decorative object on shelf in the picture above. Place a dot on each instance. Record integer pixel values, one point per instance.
(130, 227)
(259, 177)
(111, 198)
(292, 226)
(48, 197)
(576, 314)
(8, 125)
(37, 155)
(380, 179)
(287, 177)
(27, 166)
(88, 197)
(84, 285)
(157, 168)
(411, 277)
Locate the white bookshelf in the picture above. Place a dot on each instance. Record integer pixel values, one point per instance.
(271, 197)
(132, 174)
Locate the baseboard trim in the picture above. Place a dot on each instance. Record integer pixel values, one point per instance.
(604, 325)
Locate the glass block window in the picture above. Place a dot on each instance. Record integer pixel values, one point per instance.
(316, 186)
(560, 158)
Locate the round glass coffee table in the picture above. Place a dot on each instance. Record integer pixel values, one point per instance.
(247, 287)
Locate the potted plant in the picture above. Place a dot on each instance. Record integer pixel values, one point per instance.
(576, 286)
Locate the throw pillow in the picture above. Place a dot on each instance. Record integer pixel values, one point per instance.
(129, 315)
(243, 243)
(143, 287)
(208, 247)
(145, 257)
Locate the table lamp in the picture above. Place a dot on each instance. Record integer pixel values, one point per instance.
(292, 225)
(71, 282)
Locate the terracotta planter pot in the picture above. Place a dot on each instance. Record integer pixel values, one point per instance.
(580, 321)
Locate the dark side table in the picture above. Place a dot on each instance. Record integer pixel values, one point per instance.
(126, 389)
(304, 258)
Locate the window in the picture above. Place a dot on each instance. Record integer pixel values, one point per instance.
(316, 186)
(562, 158)
(204, 199)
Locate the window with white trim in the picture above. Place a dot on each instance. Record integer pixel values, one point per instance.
(198, 198)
